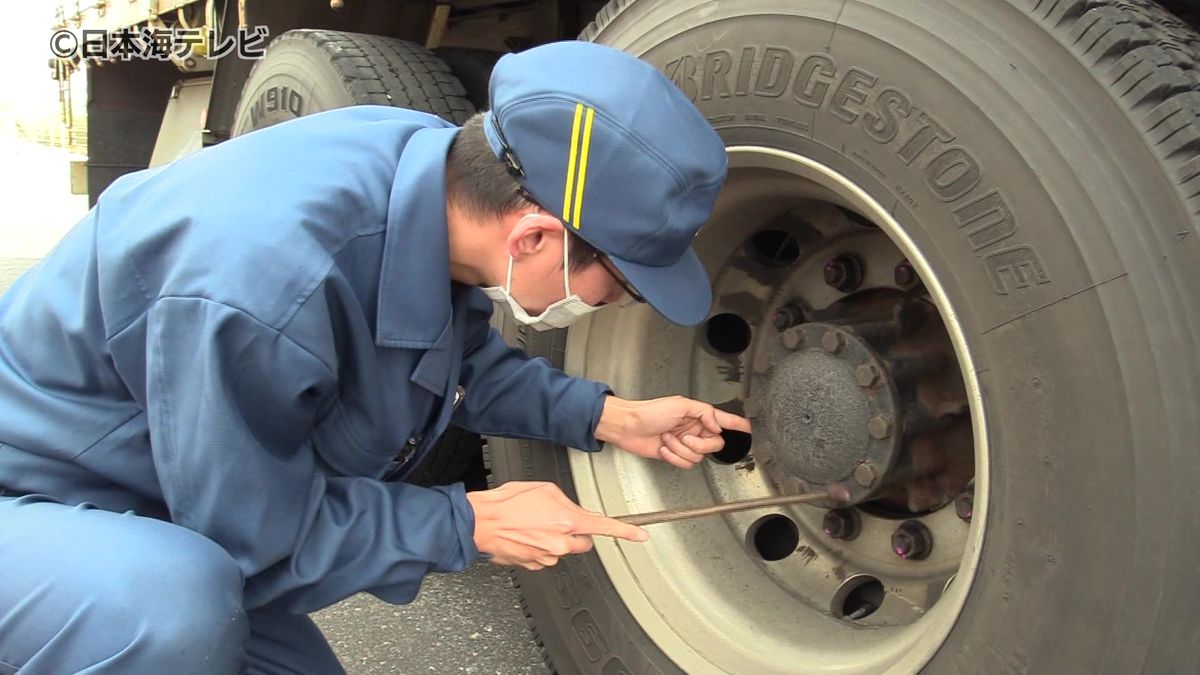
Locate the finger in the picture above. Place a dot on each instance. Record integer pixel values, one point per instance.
(704, 444)
(692, 427)
(673, 459)
(610, 527)
(676, 446)
(547, 561)
(581, 543)
(708, 417)
(730, 421)
(532, 566)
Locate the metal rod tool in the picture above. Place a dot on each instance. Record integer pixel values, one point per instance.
(744, 505)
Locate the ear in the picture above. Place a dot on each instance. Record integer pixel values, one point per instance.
(529, 233)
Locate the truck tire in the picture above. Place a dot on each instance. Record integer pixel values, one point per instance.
(1032, 169)
(307, 71)
(472, 67)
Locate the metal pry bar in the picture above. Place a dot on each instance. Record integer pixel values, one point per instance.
(671, 515)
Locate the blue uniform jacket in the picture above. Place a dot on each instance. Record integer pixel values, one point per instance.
(243, 341)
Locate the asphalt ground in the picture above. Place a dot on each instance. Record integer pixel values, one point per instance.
(470, 622)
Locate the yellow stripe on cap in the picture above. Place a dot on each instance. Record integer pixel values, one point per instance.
(583, 160)
(566, 214)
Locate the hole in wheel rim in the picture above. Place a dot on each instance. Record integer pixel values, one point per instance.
(857, 598)
(858, 219)
(728, 333)
(773, 248)
(737, 447)
(774, 537)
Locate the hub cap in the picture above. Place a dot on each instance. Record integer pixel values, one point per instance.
(822, 426)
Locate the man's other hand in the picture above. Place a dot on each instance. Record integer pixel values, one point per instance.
(533, 524)
(674, 429)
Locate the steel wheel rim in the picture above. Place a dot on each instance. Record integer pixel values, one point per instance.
(717, 611)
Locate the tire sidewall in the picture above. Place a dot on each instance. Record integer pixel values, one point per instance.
(294, 79)
(1078, 450)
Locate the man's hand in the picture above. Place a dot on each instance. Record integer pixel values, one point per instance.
(533, 524)
(675, 429)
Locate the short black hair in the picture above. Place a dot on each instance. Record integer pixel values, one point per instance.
(479, 183)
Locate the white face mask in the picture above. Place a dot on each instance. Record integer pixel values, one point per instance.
(558, 315)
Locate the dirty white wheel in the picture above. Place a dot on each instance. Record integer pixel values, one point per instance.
(771, 590)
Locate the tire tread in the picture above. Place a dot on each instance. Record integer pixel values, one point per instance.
(1147, 56)
(387, 71)
(1149, 59)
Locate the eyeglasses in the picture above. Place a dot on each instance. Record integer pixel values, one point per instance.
(618, 277)
(600, 257)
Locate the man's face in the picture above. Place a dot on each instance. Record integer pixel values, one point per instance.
(538, 271)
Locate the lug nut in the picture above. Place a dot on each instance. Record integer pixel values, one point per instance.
(838, 493)
(868, 375)
(880, 427)
(844, 273)
(905, 275)
(787, 316)
(842, 524)
(866, 475)
(912, 540)
(792, 338)
(832, 341)
(964, 505)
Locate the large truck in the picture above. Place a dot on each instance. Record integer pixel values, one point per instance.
(951, 270)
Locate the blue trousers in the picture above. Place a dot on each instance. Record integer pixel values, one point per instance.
(83, 590)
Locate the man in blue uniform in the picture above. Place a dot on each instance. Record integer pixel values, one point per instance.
(205, 385)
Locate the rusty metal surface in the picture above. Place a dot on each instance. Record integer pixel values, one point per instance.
(864, 399)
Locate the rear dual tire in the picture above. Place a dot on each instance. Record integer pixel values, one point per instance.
(1044, 160)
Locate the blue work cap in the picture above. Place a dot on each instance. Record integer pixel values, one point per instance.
(606, 143)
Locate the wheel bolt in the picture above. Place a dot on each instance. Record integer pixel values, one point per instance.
(838, 493)
(912, 540)
(844, 273)
(880, 427)
(787, 316)
(792, 338)
(867, 375)
(832, 341)
(905, 275)
(964, 505)
(866, 475)
(842, 524)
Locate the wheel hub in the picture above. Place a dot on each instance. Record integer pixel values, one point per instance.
(858, 402)
(829, 411)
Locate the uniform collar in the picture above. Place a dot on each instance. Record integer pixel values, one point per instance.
(414, 283)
